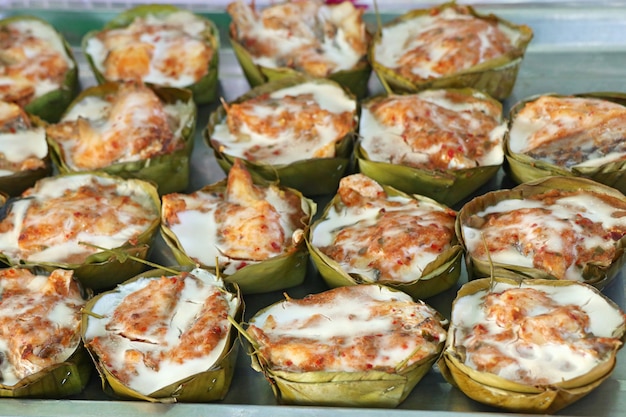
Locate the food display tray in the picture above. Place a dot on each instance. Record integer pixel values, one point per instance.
(577, 48)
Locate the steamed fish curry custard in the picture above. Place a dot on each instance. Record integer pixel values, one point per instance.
(383, 237)
(294, 123)
(240, 225)
(23, 146)
(535, 334)
(39, 321)
(131, 123)
(308, 36)
(52, 218)
(168, 49)
(558, 232)
(154, 331)
(442, 43)
(33, 60)
(434, 130)
(350, 329)
(570, 132)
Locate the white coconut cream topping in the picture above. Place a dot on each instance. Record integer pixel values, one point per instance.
(434, 129)
(529, 231)
(354, 328)
(153, 353)
(278, 143)
(39, 321)
(551, 333)
(61, 212)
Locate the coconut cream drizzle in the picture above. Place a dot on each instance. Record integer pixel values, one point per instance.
(555, 361)
(329, 97)
(200, 285)
(545, 229)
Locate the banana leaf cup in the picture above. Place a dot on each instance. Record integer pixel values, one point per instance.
(101, 268)
(311, 176)
(170, 170)
(374, 387)
(522, 167)
(495, 76)
(204, 88)
(517, 395)
(64, 378)
(33, 130)
(440, 273)
(208, 380)
(354, 79)
(598, 267)
(51, 104)
(278, 270)
(447, 185)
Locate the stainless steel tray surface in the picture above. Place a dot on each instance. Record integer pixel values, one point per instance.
(577, 48)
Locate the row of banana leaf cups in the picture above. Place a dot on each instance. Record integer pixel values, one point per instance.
(321, 176)
(70, 377)
(352, 389)
(169, 171)
(496, 77)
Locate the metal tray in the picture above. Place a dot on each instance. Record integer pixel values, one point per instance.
(577, 48)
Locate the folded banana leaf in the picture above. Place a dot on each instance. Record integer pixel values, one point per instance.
(275, 273)
(206, 88)
(170, 171)
(50, 106)
(372, 388)
(598, 274)
(313, 176)
(205, 385)
(495, 77)
(439, 275)
(105, 268)
(511, 395)
(523, 168)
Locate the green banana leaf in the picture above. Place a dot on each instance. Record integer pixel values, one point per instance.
(440, 275)
(276, 273)
(593, 273)
(495, 77)
(170, 172)
(51, 106)
(106, 268)
(204, 90)
(523, 168)
(205, 386)
(313, 177)
(372, 389)
(513, 396)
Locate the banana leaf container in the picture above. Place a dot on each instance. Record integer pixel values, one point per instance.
(16, 183)
(496, 77)
(513, 396)
(204, 90)
(362, 389)
(106, 268)
(355, 79)
(205, 385)
(252, 277)
(449, 186)
(439, 275)
(61, 380)
(170, 171)
(598, 274)
(313, 176)
(521, 167)
(50, 106)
